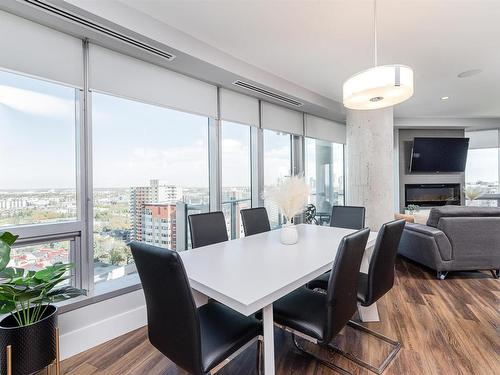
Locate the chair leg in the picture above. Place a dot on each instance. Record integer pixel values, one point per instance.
(495, 273)
(259, 356)
(328, 364)
(387, 360)
(441, 275)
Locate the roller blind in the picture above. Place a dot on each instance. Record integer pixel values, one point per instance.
(279, 118)
(30, 48)
(327, 130)
(483, 139)
(239, 108)
(114, 73)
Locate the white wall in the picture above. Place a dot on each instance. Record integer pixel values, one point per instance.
(92, 325)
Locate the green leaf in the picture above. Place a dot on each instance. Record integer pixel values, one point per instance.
(64, 293)
(28, 295)
(4, 254)
(7, 306)
(11, 272)
(8, 238)
(54, 271)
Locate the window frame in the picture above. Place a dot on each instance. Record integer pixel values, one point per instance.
(73, 230)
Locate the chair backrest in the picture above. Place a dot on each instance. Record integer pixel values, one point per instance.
(207, 228)
(173, 323)
(350, 217)
(343, 284)
(382, 262)
(255, 220)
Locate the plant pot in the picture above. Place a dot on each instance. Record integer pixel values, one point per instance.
(33, 347)
(289, 234)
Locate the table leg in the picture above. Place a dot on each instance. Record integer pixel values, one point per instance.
(199, 298)
(267, 319)
(368, 313)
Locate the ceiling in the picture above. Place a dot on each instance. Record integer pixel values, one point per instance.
(319, 44)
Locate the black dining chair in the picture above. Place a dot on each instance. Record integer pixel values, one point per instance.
(349, 217)
(207, 228)
(255, 220)
(199, 340)
(319, 317)
(376, 283)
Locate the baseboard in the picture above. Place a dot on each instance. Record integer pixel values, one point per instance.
(77, 338)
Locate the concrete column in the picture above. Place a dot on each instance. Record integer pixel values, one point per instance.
(370, 171)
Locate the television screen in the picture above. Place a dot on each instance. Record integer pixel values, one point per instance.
(439, 155)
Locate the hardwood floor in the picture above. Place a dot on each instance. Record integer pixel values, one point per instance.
(445, 327)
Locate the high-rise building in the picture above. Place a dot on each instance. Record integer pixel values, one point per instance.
(157, 192)
(159, 226)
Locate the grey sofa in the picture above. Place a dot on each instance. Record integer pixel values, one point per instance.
(455, 239)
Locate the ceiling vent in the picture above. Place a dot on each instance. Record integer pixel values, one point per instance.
(96, 27)
(259, 90)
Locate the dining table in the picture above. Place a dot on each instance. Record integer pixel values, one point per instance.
(249, 274)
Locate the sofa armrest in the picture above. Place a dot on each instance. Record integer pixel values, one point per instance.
(419, 238)
(424, 229)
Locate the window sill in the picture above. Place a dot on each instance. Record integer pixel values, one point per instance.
(102, 292)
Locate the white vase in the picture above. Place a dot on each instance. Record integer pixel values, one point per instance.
(289, 234)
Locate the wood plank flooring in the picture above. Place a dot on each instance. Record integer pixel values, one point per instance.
(445, 327)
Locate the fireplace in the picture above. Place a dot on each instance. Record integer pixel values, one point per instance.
(430, 195)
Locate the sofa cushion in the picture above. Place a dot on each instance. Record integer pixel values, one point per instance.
(460, 211)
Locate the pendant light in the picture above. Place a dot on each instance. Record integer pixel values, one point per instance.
(380, 86)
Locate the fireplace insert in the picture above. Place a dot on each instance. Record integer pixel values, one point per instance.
(430, 195)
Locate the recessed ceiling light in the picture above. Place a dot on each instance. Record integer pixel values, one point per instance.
(469, 73)
(445, 97)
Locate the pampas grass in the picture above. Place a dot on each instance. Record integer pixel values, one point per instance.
(473, 192)
(290, 196)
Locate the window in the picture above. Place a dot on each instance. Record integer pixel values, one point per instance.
(38, 256)
(236, 175)
(482, 175)
(324, 172)
(150, 165)
(277, 166)
(38, 152)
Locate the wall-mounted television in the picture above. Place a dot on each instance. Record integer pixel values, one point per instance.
(435, 155)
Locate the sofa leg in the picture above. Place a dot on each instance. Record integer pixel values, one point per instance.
(495, 273)
(441, 275)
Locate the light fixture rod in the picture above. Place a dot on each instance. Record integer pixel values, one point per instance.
(375, 49)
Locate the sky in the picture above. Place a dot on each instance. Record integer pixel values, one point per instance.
(133, 142)
(38, 133)
(482, 165)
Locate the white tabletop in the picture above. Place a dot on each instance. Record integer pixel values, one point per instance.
(250, 273)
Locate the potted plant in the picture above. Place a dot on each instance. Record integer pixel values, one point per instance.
(291, 197)
(412, 208)
(28, 297)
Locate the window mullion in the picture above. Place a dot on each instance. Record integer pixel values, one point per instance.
(257, 166)
(86, 259)
(215, 159)
(214, 141)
